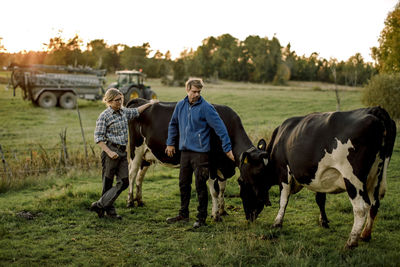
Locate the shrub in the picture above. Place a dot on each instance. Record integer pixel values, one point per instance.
(383, 90)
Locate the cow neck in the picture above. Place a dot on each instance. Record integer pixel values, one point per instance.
(241, 144)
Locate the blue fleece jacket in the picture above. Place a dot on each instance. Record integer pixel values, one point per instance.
(193, 123)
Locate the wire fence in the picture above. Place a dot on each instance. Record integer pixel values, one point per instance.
(36, 162)
(20, 163)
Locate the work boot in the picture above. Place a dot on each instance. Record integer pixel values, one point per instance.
(114, 216)
(178, 218)
(96, 208)
(199, 223)
(112, 213)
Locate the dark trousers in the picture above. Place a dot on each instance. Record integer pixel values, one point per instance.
(113, 167)
(198, 163)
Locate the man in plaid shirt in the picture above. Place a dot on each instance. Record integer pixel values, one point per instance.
(111, 134)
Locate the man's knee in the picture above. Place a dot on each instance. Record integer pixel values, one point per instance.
(123, 184)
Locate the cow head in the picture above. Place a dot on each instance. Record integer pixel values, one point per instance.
(252, 180)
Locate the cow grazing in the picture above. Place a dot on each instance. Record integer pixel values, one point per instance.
(327, 153)
(148, 134)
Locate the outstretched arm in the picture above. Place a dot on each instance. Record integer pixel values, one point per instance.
(143, 107)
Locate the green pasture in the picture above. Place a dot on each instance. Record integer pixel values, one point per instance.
(47, 222)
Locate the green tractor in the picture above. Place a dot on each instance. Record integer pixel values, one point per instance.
(130, 83)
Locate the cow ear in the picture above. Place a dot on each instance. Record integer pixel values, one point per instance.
(262, 144)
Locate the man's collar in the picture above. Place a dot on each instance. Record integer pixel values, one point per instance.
(196, 103)
(111, 110)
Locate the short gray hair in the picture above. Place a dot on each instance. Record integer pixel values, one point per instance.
(197, 82)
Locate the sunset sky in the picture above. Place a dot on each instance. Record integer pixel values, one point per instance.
(336, 29)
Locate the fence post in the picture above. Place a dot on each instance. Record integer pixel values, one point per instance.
(83, 133)
(64, 152)
(4, 162)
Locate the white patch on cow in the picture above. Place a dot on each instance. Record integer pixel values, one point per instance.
(218, 202)
(372, 181)
(284, 198)
(332, 168)
(134, 166)
(153, 159)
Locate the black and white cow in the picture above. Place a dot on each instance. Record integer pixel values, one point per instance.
(327, 153)
(148, 134)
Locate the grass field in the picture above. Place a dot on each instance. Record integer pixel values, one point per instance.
(61, 230)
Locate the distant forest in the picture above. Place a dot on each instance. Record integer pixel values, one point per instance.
(255, 59)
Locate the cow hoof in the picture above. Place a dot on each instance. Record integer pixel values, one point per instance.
(130, 204)
(277, 225)
(351, 246)
(217, 218)
(140, 204)
(365, 238)
(324, 224)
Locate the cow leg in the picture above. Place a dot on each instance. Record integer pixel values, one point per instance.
(214, 192)
(360, 209)
(221, 199)
(139, 183)
(284, 199)
(378, 194)
(320, 198)
(134, 165)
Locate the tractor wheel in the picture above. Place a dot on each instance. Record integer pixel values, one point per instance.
(151, 95)
(132, 94)
(47, 100)
(68, 100)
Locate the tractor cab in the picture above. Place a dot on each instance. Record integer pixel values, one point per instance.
(131, 85)
(129, 77)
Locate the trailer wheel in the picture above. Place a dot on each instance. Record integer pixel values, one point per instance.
(68, 100)
(47, 100)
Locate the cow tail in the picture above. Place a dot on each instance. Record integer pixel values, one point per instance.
(390, 138)
(390, 129)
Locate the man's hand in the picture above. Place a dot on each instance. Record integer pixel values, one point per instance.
(229, 154)
(106, 149)
(112, 154)
(153, 101)
(170, 151)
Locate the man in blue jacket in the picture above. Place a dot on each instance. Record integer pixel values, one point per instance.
(192, 121)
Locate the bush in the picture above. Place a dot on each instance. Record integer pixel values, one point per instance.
(383, 90)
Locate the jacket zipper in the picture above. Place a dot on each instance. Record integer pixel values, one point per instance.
(201, 146)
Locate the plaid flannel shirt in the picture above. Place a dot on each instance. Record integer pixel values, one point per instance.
(112, 125)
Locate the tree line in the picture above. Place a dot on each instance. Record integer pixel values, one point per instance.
(255, 59)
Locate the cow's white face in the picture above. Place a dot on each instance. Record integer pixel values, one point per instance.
(252, 182)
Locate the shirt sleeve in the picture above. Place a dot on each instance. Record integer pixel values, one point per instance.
(100, 130)
(131, 113)
(215, 122)
(173, 128)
